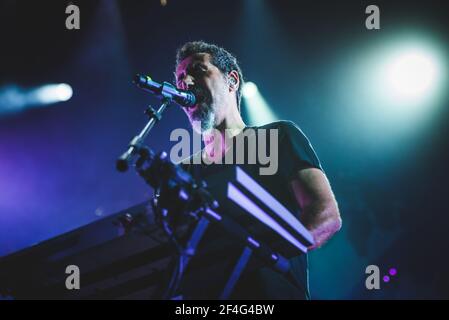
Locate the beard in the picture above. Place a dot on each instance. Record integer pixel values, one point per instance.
(203, 117)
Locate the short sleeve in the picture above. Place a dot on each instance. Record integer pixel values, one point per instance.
(295, 150)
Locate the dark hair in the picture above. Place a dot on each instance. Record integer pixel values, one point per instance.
(220, 58)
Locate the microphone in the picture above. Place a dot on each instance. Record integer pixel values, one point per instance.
(165, 90)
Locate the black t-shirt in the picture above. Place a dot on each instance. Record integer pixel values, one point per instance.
(206, 282)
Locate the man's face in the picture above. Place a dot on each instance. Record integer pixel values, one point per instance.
(197, 74)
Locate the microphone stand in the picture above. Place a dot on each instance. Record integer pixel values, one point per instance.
(136, 143)
(180, 193)
(168, 93)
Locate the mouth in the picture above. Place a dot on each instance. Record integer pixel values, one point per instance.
(201, 108)
(200, 95)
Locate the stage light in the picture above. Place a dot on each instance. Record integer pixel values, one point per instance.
(249, 90)
(412, 74)
(14, 99)
(53, 93)
(65, 92)
(398, 85)
(258, 110)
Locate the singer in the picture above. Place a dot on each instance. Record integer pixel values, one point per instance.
(214, 76)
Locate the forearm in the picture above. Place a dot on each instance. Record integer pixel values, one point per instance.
(319, 209)
(322, 220)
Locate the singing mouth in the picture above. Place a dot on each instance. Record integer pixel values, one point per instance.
(201, 107)
(200, 95)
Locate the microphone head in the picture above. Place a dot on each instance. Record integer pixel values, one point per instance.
(187, 99)
(165, 90)
(140, 80)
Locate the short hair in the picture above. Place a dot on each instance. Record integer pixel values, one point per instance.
(221, 58)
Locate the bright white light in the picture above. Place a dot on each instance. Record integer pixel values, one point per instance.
(258, 110)
(14, 98)
(64, 92)
(412, 74)
(249, 89)
(52, 93)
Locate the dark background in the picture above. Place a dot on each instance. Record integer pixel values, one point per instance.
(310, 61)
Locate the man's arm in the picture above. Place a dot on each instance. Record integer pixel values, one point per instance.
(320, 214)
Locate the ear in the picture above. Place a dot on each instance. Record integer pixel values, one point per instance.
(234, 80)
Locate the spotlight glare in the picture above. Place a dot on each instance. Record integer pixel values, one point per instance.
(52, 93)
(412, 74)
(249, 89)
(64, 92)
(258, 110)
(14, 98)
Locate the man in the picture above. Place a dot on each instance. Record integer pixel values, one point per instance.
(213, 74)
